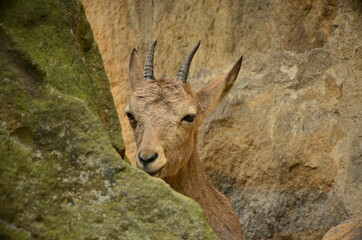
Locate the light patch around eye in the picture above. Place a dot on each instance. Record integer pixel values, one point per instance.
(127, 109)
(130, 116)
(191, 110)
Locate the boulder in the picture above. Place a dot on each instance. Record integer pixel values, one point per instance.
(62, 176)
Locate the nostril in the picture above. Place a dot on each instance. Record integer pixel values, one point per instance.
(153, 157)
(146, 159)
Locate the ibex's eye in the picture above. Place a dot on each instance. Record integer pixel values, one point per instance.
(130, 116)
(188, 118)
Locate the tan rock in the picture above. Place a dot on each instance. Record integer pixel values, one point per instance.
(285, 145)
(348, 230)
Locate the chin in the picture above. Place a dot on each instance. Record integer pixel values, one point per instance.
(154, 170)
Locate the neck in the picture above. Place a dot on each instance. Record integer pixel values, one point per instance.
(193, 182)
(191, 179)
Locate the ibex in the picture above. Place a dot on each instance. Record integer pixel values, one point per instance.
(165, 115)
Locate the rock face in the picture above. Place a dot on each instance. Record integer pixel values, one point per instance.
(61, 175)
(285, 145)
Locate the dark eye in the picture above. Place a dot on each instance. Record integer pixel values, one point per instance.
(130, 116)
(188, 118)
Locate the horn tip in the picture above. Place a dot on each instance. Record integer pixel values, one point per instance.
(198, 44)
(237, 65)
(240, 60)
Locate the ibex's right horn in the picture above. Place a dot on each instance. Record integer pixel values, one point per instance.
(185, 66)
(148, 69)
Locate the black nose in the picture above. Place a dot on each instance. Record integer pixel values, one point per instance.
(147, 158)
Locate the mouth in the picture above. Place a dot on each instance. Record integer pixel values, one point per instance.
(155, 173)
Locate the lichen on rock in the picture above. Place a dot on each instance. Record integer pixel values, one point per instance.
(61, 174)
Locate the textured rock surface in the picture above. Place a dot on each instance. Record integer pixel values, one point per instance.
(348, 230)
(61, 176)
(286, 144)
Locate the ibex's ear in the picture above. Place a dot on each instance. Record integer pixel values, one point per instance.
(135, 70)
(210, 95)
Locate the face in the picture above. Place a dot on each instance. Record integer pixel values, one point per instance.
(164, 117)
(165, 114)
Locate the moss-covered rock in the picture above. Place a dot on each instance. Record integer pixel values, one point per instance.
(61, 175)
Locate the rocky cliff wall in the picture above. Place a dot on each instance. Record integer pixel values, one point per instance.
(286, 144)
(60, 174)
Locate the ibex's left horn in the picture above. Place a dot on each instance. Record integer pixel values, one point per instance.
(185, 66)
(148, 70)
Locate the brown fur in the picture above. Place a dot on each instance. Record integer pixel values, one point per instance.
(158, 107)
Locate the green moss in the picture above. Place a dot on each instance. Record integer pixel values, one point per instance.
(59, 42)
(61, 177)
(10, 232)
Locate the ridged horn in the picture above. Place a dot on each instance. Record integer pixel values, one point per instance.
(148, 69)
(185, 66)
